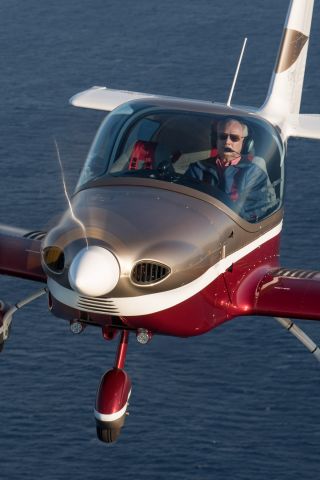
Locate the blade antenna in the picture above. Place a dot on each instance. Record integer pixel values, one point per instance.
(237, 71)
(300, 335)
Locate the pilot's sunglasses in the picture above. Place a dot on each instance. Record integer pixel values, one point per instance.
(233, 137)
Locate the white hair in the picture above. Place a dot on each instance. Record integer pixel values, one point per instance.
(226, 121)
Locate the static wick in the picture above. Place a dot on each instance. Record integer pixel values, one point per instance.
(237, 71)
(67, 195)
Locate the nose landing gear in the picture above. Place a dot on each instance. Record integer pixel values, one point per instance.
(113, 396)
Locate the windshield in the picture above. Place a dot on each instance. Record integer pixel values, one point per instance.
(238, 160)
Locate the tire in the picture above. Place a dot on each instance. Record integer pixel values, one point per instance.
(109, 432)
(108, 435)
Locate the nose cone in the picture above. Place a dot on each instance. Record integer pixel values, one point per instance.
(94, 271)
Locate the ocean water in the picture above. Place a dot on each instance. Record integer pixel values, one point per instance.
(238, 403)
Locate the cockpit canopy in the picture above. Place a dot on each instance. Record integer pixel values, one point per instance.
(183, 147)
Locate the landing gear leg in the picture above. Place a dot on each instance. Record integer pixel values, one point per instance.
(5, 323)
(113, 396)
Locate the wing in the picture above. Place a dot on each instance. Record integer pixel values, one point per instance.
(289, 293)
(107, 99)
(20, 253)
(103, 98)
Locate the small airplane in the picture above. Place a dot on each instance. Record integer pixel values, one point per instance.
(152, 243)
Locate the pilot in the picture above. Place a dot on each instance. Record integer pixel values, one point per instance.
(234, 170)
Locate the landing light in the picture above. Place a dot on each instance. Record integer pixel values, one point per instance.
(53, 257)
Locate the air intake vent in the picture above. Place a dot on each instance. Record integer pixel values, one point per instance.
(148, 273)
(36, 235)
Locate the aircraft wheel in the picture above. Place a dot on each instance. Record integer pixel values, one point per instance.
(108, 435)
(109, 432)
(2, 340)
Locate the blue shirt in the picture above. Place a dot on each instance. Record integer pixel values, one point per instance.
(246, 184)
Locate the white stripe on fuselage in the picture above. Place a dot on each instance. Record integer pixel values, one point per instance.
(155, 302)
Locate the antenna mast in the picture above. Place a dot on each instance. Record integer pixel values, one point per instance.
(236, 74)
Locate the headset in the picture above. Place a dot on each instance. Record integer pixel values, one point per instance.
(248, 144)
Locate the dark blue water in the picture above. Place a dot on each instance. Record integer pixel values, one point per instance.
(238, 403)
